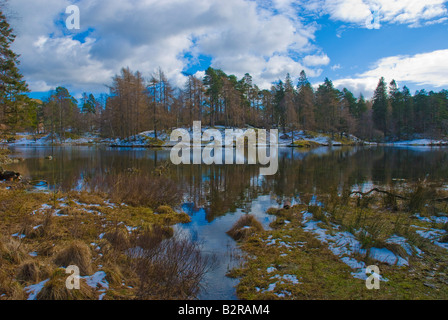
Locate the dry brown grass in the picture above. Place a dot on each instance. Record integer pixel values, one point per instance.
(173, 270)
(77, 253)
(164, 210)
(147, 190)
(151, 238)
(28, 272)
(174, 267)
(245, 227)
(56, 289)
(9, 288)
(118, 238)
(159, 265)
(11, 251)
(420, 195)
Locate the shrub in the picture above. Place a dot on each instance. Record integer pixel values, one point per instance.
(172, 270)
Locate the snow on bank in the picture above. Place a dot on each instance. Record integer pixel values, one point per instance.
(35, 289)
(346, 246)
(420, 142)
(432, 234)
(27, 139)
(96, 281)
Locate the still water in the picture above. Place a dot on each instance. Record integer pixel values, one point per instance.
(217, 196)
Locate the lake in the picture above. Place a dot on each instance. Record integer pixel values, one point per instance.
(217, 196)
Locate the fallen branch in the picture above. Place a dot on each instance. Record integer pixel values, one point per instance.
(393, 195)
(379, 191)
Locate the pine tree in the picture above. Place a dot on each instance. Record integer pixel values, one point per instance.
(279, 106)
(305, 101)
(361, 107)
(347, 113)
(350, 102)
(89, 107)
(291, 115)
(12, 85)
(381, 107)
(408, 120)
(397, 106)
(327, 107)
(62, 111)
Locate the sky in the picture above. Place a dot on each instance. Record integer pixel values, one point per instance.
(352, 42)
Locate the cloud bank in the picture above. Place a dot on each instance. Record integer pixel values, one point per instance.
(422, 69)
(264, 38)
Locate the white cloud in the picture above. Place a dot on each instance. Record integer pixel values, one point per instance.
(316, 60)
(362, 12)
(241, 36)
(336, 67)
(265, 38)
(426, 69)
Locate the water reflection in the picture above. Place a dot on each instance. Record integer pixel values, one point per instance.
(220, 189)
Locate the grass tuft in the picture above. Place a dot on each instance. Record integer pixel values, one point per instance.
(56, 289)
(245, 227)
(77, 254)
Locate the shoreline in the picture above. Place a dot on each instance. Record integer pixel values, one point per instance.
(302, 140)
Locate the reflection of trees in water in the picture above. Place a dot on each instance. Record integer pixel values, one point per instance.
(225, 188)
(220, 189)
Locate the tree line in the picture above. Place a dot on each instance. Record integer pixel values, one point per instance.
(135, 104)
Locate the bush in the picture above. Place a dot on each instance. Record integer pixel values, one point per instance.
(171, 270)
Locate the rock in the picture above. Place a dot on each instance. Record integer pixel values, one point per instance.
(49, 158)
(287, 205)
(10, 176)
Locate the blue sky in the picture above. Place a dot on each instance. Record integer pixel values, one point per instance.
(338, 39)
